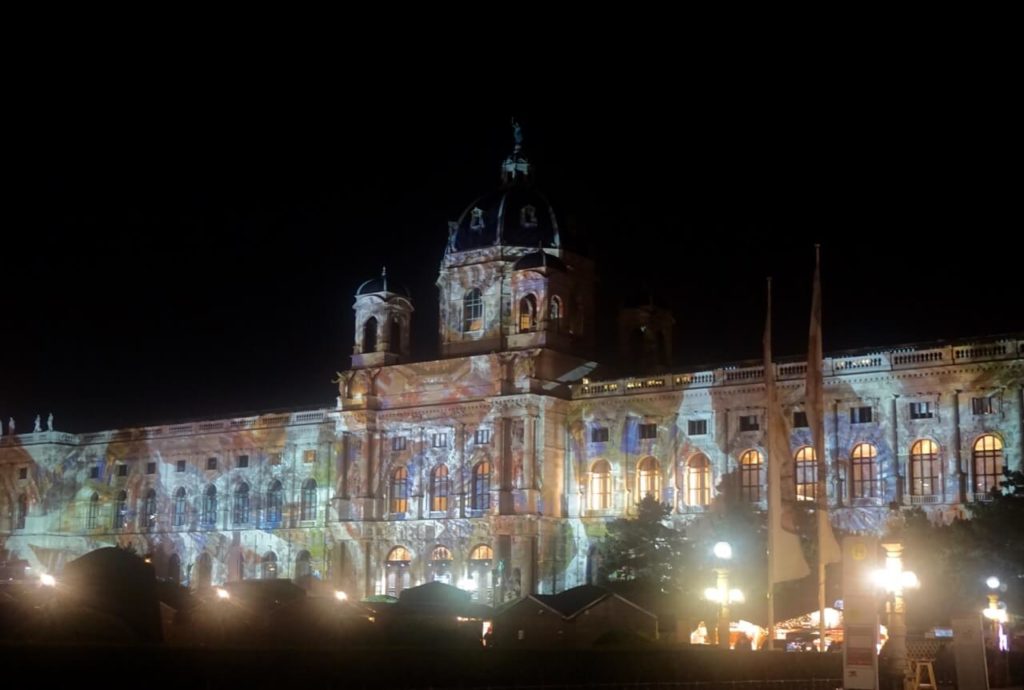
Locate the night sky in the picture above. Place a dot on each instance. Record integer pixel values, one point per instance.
(171, 256)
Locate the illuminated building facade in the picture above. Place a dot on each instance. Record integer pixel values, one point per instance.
(495, 467)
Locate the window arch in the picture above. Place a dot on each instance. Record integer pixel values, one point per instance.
(179, 507)
(268, 566)
(307, 507)
(22, 511)
(988, 465)
(600, 485)
(303, 565)
(750, 476)
(396, 570)
(472, 311)
(698, 480)
(400, 490)
(204, 570)
(370, 335)
(556, 312)
(527, 314)
(481, 493)
(439, 489)
(149, 510)
(864, 466)
(121, 510)
(274, 503)
(395, 336)
(480, 579)
(924, 468)
(399, 554)
(806, 474)
(241, 511)
(93, 516)
(440, 565)
(174, 569)
(208, 517)
(648, 473)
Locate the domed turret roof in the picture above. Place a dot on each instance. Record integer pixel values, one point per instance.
(539, 259)
(382, 284)
(517, 214)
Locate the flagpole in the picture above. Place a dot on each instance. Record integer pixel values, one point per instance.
(819, 449)
(771, 459)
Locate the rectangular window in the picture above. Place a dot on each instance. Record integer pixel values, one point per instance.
(981, 405)
(749, 423)
(243, 461)
(122, 470)
(22, 473)
(697, 427)
(150, 468)
(309, 456)
(180, 466)
(921, 410)
(800, 420)
(211, 463)
(648, 431)
(860, 415)
(275, 458)
(599, 434)
(94, 472)
(439, 440)
(398, 443)
(482, 436)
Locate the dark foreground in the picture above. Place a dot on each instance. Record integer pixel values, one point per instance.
(194, 668)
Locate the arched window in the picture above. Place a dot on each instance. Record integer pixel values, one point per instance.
(528, 314)
(555, 313)
(303, 565)
(204, 571)
(805, 472)
(174, 569)
(396, 569)
(400, 490)
(208, 517)
(439, 489)
(274, 503)
(988, 463)
(22, 511)
(268, 566)
(370, 335)
(307, 508)
(480, 569)
(481, 494)
(750, 476)
(395, 337)
(600, 485)
(864, 466)
(472, 311)
(440, 565)
(241, 512)
(924, 468)
(149, 510)
(121, 510)
(179, 507)
(649, 478)
(698, 480)
(93, 516)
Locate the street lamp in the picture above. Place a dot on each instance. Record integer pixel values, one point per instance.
(721, 594)
(997, 614)
(894, 579)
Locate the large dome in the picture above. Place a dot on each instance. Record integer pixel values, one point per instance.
(515, 215)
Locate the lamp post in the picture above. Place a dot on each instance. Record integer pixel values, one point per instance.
(894, 579)
(721, 594)
(996, 613)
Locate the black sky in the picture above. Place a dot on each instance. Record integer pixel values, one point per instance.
(173, 254)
